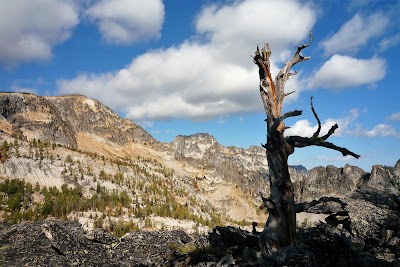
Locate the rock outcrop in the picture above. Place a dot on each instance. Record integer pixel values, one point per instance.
(333, 181)
(383, 177)
(58, 243)
(35, 117)
(365, 223)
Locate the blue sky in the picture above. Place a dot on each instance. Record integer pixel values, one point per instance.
(183, 67)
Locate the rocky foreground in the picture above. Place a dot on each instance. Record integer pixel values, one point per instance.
(360, 229)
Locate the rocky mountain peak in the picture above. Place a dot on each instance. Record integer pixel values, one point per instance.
(89, 116)
(69, 120)
(299, 168)
(193, 146)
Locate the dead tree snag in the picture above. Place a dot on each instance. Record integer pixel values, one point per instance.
(277, 239)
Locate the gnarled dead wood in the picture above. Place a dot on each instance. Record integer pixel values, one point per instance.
(316, 134)
(277, 239)
(298, 141)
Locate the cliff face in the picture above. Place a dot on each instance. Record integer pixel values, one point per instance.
(326, 181)
(35, 117)
(384, 177)
(333, 181)
(89, 116)
(247, 168)
(62, 119)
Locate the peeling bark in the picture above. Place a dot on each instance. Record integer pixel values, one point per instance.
(277, 239)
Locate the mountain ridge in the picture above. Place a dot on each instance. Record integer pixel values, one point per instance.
(97, 137)
(84, 140)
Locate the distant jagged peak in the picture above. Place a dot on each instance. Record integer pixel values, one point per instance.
(347, 168)
(299, 168)
(204, 138)
(197, 144)
(193, 146)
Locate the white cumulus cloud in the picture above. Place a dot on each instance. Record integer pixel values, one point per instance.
(282, 22)
(381, 130)
(355, 33)
(30, 29)
(378, 130)
(182, 82)
(127, 21)
(210, 76)
(343, 71)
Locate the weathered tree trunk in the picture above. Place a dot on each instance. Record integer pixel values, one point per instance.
(278, 237)
(281, 225)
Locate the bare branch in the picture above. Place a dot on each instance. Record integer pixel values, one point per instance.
(305, 45)
(285, 73)
(256, 56)
(330, 132)
(296, 59)
(289, 93)
(280, 119)
(298, 141)
(293, 113)
(316, 134)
